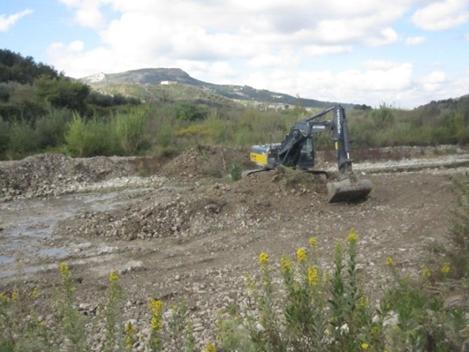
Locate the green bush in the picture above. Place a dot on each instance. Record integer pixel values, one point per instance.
(90, 137)
(22, 139)
(63, 93)
(164, 136)
(130, 130)
(4, 136)
(235, 172)
(50, 129)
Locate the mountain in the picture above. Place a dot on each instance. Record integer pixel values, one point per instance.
(149, 78)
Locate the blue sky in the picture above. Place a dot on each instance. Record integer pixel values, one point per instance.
(404, 53)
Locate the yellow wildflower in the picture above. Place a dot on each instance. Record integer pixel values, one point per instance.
(301, 254)
(445, 268)
(313, 242)
(263, 258)
(426, 272)
(364, 346)
(156, 322)
(389, 261)
(285, 264)
(34, 293)
(14, 295)
(4, 298)
(363, 302)
(210, 348)
(156, 306)
(129, 339)
(352, 236)
(113, 276)
(313, 275)
(64, 270)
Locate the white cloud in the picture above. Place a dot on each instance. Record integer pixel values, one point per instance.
(76, 46)
(433, 81)
(384, 37)
(271, 44)
(87, 12)
(145, 31)
(373, 83)
(7, 21)
(412, 41)
(442, 15)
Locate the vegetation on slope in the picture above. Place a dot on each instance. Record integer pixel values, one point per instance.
(41, 110)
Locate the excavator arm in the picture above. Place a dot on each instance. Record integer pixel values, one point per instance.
(303, 131)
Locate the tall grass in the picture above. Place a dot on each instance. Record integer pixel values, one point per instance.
(456, 250)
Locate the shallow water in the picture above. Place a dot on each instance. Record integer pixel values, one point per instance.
(28, 236)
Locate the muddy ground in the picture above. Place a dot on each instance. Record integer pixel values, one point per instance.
(186, 232)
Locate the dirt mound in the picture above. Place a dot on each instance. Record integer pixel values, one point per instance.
(207, 161)
(154, 217)
(283, 180)
(50, 174)
(182, 212)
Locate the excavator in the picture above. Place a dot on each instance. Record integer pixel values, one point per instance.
(297, 151)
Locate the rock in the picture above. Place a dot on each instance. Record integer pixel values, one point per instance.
(133, 265)
(106, 250)
(456, 300)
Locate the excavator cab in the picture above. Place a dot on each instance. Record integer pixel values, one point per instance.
(306, 159)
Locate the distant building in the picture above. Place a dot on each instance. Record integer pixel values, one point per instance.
(167, 83)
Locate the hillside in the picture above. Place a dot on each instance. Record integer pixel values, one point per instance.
(439, 107)
(167, 77)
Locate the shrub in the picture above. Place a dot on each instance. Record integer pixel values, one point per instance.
(22, 139)
(50, 129)
(76, 136)
(164, 136)
(130, 130)
(235, 172)
(4, 136)
(88, 138)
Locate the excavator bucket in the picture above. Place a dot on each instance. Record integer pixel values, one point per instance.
(348, 190)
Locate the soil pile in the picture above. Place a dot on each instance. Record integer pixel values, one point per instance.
(189, 211)
(207, 161)
(51, 174)
(155, 216)
(283, 180)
